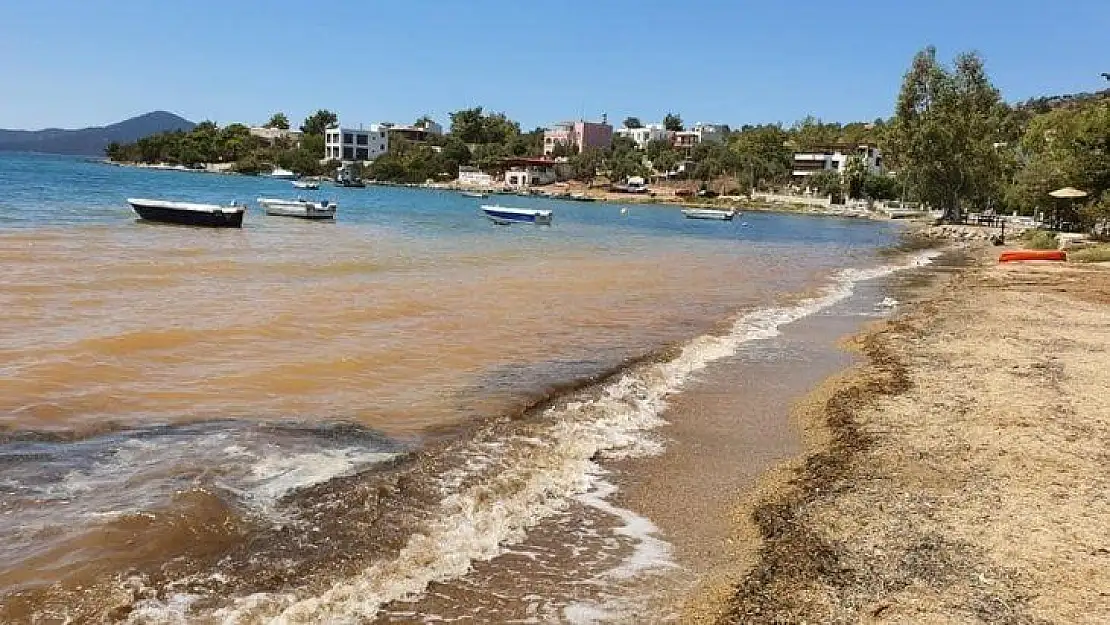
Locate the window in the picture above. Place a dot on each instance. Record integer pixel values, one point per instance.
(381, 147)
(347, 138)
(362, 154)
(348, 153)
(535, 180)
(381, 135)
(512, 179)
(362, 139)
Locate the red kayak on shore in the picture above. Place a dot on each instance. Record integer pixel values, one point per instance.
(1016, 255)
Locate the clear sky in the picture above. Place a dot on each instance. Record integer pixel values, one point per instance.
(73, 63)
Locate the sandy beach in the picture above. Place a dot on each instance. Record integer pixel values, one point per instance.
(958, 475)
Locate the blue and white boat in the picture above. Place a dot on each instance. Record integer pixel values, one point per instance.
(503, 215)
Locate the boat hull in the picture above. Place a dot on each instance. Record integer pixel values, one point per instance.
(505, 217)
(709, 214)
(298, 209)
(1019, 255)
(207, 219)
(299, 213)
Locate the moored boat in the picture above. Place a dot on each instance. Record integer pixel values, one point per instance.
(283, 174)
(306, 184)
(477, 194)
(708, 213)
(188, 213)
(503, 215)
(301, 208)
(581, 197)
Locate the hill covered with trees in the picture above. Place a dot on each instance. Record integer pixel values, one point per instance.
(92, 141)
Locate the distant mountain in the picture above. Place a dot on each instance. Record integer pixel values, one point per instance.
(91, 141)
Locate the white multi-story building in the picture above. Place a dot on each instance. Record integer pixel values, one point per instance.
(835, 158)
(708, 133)
(350, 144)
(647, 134)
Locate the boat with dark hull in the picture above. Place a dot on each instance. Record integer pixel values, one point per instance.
(188, 213)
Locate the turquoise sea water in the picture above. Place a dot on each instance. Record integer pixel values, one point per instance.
(45, 190)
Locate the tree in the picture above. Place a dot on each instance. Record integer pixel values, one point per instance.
(633, 122)
(879, 187)
(621, 144)
(473, 126)
(761, 153)
(584, 165)
(826, 182)
(423, 121)
(277, 120)
(1068, 146)
(455, 150)
(672, 122)
(811, 134)
(318, 122)
(853, 177)
(943, 137)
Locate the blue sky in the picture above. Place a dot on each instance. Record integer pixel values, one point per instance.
(73, 63)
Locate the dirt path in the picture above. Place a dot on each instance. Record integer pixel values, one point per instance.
(962, 476)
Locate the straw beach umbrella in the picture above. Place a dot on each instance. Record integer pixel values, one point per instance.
(1067, 193)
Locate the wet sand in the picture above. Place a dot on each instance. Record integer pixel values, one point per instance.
(959, 475)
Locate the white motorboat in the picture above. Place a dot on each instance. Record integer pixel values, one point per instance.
(311, 185)
(188, 213)
(709, 213)
(302, 208)
(503, 215)
(477, 194)
(283, 174)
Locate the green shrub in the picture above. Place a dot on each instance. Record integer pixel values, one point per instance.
(1041, 239)
(1096, 254)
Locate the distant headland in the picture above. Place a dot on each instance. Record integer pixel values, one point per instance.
(91, 141)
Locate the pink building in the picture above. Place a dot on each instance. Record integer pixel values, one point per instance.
(580, 134)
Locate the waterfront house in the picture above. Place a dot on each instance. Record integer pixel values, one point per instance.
(351, 144)
(643, 136)
(700, 133)
(580, 135)
(521, 173)
(835, 158)
(419, 132)
(273, 135)
(470, 176)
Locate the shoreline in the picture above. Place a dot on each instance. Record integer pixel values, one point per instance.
(949, 477)
(604, 197)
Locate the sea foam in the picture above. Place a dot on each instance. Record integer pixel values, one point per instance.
(527, 478)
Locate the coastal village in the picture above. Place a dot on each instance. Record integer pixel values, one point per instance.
(990, 177)
(354, 148)
(415, 416)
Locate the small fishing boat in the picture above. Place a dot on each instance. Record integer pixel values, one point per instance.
(502, 215)
(283, 174)
(311, 185)
(189, 214)
(300, 207)
(477, 194)
(1019, 255)
(581, 197)
(708, 213)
